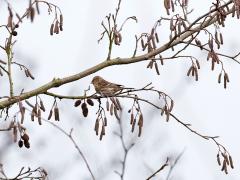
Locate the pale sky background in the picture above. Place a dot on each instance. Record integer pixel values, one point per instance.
(205, 104)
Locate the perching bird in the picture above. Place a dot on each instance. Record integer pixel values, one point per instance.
(106, 88)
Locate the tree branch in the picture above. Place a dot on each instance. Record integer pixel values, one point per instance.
(56, 82)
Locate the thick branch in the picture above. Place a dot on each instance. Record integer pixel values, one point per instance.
(116, 61)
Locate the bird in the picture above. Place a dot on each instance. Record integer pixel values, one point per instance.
(106, 88)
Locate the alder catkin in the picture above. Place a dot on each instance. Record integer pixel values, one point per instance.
(56, 113)
(231, 162)
(39, 117)
(50, 114)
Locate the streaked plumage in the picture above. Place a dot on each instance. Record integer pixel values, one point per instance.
(104, 87)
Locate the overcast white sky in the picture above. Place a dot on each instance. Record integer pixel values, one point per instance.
(210, 109)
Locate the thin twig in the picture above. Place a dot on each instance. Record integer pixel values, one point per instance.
(174, 164)
(69, 135)
(117, 61)
(160, 169)
(125, 149)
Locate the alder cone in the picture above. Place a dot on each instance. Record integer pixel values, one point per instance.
(84, 109)
(20, 143)
(77, 103)
(27, 144)
(25, 137)
(90, 102)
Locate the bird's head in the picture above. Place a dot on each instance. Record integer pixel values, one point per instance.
(95, 79)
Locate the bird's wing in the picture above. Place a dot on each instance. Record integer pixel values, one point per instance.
(113, 84)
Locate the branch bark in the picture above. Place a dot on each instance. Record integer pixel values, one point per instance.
(56, 82)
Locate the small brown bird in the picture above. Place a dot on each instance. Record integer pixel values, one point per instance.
(106, 88)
